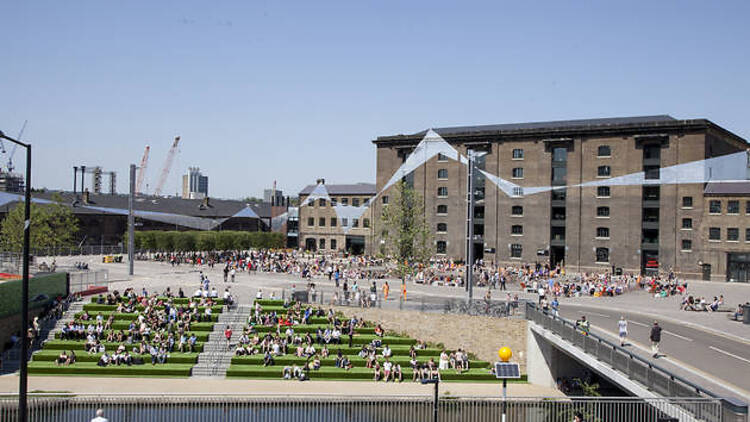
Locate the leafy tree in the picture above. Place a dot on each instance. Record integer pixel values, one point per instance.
(405, 234)
(52, 225)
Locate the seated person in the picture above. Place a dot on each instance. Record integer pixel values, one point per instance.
(416, 369)
(387, 352)
(387, 369)
(103, 360)
(398, 375)
(268, 359)
(62, 359)
(316, 363)
(71, 358)
(346, 363)
(379, 331)
(377, 372)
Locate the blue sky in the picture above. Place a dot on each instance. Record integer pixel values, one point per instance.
(294, 91)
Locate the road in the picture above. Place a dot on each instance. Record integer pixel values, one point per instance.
(725, 361)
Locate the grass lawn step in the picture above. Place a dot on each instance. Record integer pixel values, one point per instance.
(269, 302)
(51, 356)
(95, 308)
(124, 316)
(309, 328)
(90, 368)
(201, 335)
(331, 361)
(361, 373)
(175, 300)
(79, 345)
(398, 350)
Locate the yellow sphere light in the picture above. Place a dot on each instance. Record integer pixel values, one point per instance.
(504, 354)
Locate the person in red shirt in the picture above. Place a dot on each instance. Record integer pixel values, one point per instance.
(228, 335)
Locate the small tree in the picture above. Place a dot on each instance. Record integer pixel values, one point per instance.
(52, 225)
(405, 234)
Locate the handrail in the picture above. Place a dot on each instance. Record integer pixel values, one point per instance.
(700, 390)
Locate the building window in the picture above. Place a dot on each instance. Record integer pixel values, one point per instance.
(355, 222)
(687, 245)
(321, 202)
(442, 228)
(518, 173)
(442, 192)
(516, 230)
(714, 207)
(687, 223)
(366, 223)
(733, 234)
(733, 207)
(603, 192)
(516, 210)
(687, 202)
(604, 151)
(604, 171)
(442, 245)
(518, 154)
(559, 175)
(602, 232)
(355, 202)
(714, 233)
(321, 244)
(442, 174)
(333, 202)
(517, 191)
(747, 235)
(334, 221)
(385, 199)
(442, 157)
(442, 209)
(602, 254)
(602, 211)
(333, 244)
(345, 222)
(310, 221)
(516, 250)
(558, 194)
(344, 201)
(322, 221)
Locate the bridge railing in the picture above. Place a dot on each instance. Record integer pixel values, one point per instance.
(333, 408)
(654, 377)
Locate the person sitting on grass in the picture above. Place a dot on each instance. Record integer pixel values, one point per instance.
(192, 342)
(363, 352)
(398, 375)
(387, 352)
(432, 369)
(62, 359)
(71, 358)
(379, 331)
(346, 363)
(324, 353)
(377, 373)
(268, 359)
(412, 352)
(339, 359)
(387, 369)
(316, 363)
(103, 360)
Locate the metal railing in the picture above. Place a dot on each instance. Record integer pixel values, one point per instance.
(80, 281)
(652, 376)
(229, 408)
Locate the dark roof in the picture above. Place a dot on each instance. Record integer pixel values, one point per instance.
(355, 189)
(728, 188)
(218, 208)
(563, 128)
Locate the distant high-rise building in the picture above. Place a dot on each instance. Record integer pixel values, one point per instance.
(273, 195)
(194, 184)
(11, 182)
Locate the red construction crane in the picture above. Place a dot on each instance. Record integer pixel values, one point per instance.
(167, 167)
(141, 172)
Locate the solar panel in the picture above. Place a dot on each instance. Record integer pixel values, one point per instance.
(504, 370)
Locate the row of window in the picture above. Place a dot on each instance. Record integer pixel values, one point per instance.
(602, 151)
(733, 234)
(322, 244)
(733, 206)
(334, 222)
(322, 202)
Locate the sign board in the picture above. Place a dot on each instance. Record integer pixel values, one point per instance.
(507, 370)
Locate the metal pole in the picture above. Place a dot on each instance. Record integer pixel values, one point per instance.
(131, 221)
(470, 223)
(505, 395)
(23, 384)
(435, 403)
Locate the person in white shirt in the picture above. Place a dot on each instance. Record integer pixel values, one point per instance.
(259, 295)
(387, 352)
(100, 416)
(622, 326)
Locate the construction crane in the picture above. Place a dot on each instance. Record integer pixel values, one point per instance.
(141, 172)
(9, 164)
(167, 167)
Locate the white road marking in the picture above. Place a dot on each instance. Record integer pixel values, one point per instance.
(729, 354)
(638, 323)
(677, 335)
(601, 315)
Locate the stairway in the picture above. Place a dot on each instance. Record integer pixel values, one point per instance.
(217, 356)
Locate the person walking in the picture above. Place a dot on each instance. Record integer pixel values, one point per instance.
(232, 273)
(386, 289)
(655, 338)
(622, 326)
(100, 416)
(228, 335)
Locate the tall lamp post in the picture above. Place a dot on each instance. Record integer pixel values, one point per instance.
(23, 381)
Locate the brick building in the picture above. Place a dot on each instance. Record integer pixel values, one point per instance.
(633, 227)
(321, 229)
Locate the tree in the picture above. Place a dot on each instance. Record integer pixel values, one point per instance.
(52, 225)
(404, 231)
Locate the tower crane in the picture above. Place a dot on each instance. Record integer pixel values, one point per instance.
(167, 167)
(9, 164)
(142, 172)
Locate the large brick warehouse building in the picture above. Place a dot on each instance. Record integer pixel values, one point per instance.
(637, 227)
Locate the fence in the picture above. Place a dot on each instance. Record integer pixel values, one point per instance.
(650, 375)
(80, 281)
(83, 250)
(229, 408)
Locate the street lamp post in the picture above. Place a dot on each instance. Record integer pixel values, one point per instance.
(435, 382)
(23, 381)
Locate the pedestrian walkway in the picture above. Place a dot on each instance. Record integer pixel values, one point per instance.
(217, 351)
